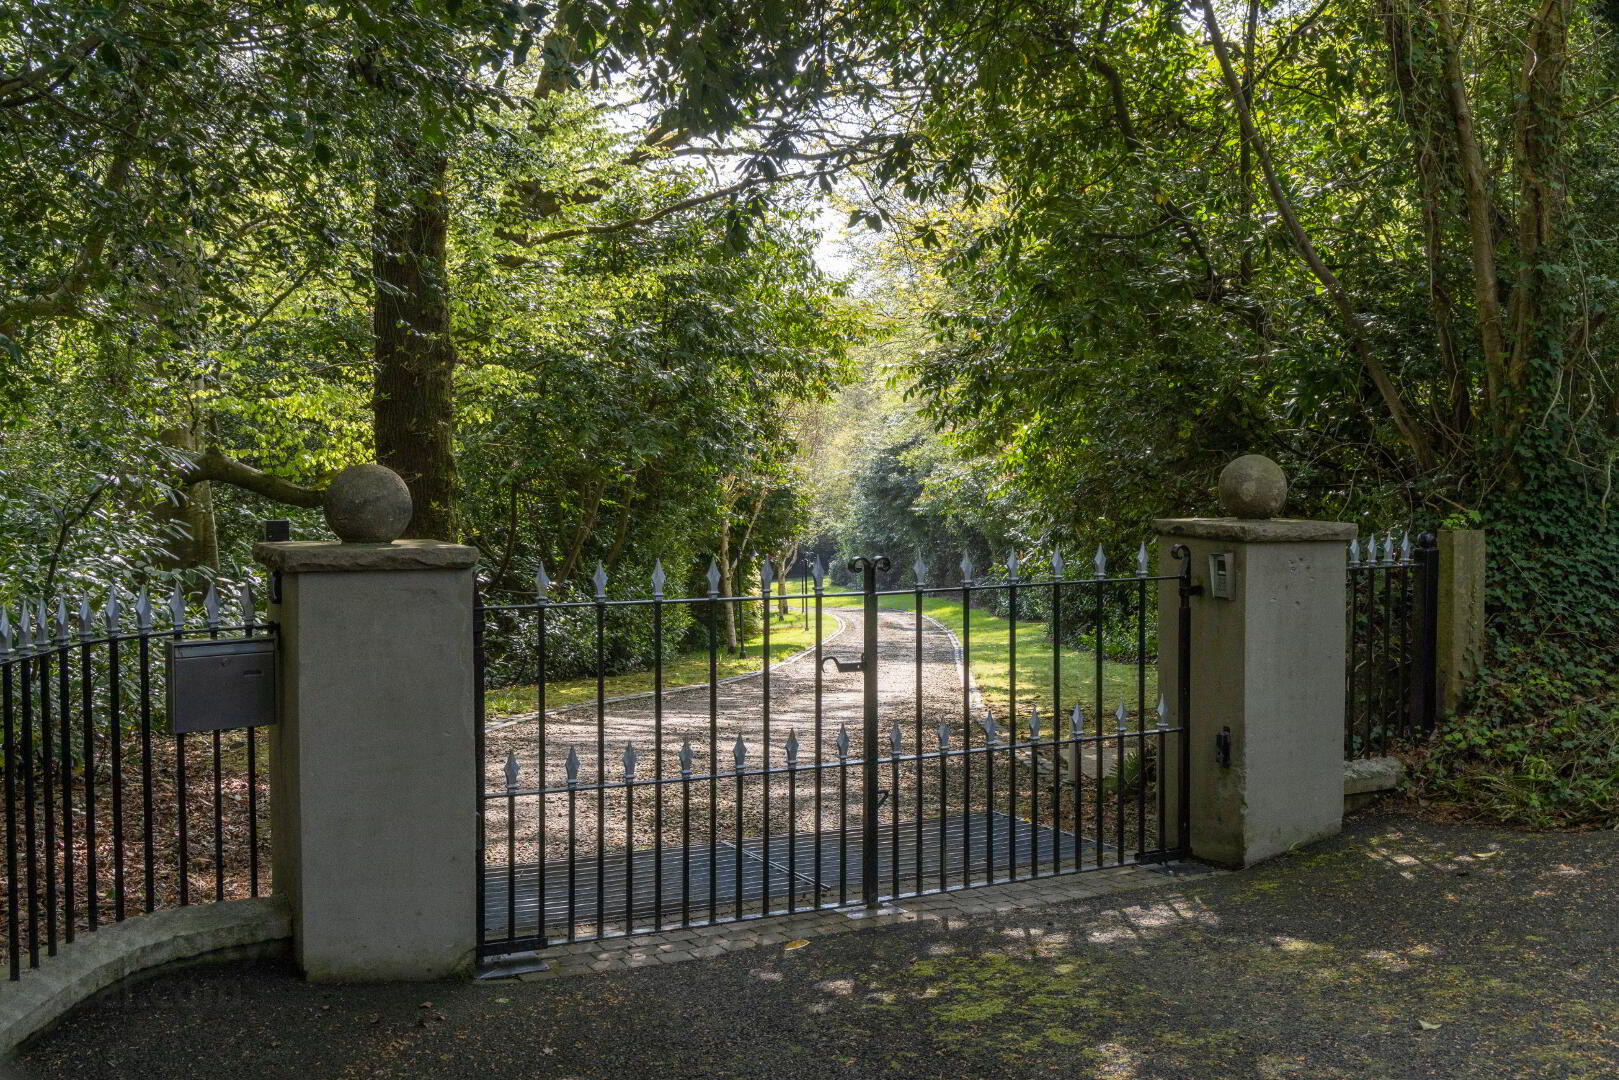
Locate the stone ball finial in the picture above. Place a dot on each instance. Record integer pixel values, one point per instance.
(367, 504)
(1253, 486)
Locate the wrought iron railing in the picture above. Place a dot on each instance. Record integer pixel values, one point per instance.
(855, 776)
(107, 814)
(1391, 605)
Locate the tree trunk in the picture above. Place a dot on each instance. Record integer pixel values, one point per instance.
(191, 510)
(727, 587)
(1536, 324)
(413, 393)
(1415, 437)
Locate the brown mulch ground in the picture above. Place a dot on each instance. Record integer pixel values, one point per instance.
(218, 858)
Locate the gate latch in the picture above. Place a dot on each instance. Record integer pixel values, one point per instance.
(846, 665)
(1222, 747)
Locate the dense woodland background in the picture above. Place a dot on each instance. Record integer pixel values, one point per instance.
(556, 264)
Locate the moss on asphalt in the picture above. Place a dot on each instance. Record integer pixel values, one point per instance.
(1399, 950)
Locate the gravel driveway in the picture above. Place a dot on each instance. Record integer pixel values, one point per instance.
(738, 712)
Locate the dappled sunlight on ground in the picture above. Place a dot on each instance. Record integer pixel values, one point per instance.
(1401, 951)
(1136, 924)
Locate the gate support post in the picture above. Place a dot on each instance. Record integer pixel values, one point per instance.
(870, 739)
(1264, 701)
(372, 766)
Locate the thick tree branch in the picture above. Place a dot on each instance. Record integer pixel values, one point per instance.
(1413, 435)
(689, 203)
(214, 465)
(1481, 210)
(27, 87)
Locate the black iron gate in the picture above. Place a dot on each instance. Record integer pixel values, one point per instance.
(831, 777)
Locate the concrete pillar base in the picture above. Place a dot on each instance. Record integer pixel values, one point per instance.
(372, 767)
(1267, 680)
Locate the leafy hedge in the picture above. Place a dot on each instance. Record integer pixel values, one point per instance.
(1078, 625)
(1537, 742)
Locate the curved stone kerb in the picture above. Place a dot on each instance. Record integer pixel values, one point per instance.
(135, 946)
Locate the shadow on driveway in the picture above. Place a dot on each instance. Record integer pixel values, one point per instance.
(1400, 949)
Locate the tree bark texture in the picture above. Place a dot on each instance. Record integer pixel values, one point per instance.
(413, 404)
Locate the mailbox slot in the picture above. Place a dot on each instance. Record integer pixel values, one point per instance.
(1221, 572)
(223, 684)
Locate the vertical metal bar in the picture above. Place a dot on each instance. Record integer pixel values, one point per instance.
(764, 776)
(1056, 717)
(1374, 667)
(30, 838)
(1161, 840)
(1118, 786)
(1368, 654)
(685, 837)
(629, 853)
(944, 803)
(1141, 716)
(182, 810)
(92, 880)
(657, 759)
(573, 857)
(48, 787)
(1098, 717)
(252, 811)
(219, 822)
(869, 743)
(989, 803)
(511, 858)
(1385, 710)
(219, 800)
(843, 824)
(917, 770)
(1402, 680)
(148, 823)
(479, 749)
(736, 869)
(1011, 721)
(1428, 650)
(542, 836)
(13, 929)
(893, 813)
(1354, 658)
(601, 763)
(714, 614)
(252, 783)
(792, 835)
(1183, 691)
(820, 734)
(64, 712)
(966, 724)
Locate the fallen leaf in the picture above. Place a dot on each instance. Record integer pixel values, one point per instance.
(796, 943)
(1426, 1026)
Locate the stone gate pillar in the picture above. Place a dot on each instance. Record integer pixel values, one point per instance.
(1266, 713)
(372, 766)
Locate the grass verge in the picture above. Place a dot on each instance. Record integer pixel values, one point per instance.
(992, 661)
(787, 636)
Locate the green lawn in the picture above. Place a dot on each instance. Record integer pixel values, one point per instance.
(992, 668)
(787, 636)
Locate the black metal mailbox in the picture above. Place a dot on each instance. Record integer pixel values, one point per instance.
(221, 684)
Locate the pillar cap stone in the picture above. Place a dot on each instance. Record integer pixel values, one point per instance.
(367, 504)
(324, 556)
(1269, 531)
(1253, 487)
